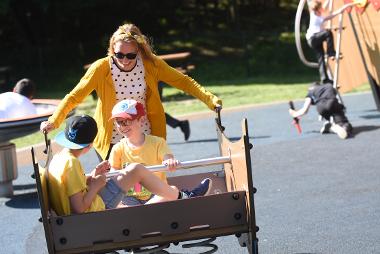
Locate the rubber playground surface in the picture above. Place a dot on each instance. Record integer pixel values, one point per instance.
(316, 193)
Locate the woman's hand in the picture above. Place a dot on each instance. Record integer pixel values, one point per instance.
(218, 107)
(46, 126)
(171, 164)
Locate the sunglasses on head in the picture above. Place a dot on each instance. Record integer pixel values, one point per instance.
(129, 56)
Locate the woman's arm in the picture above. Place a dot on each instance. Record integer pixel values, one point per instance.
(173, 77)
(85, 86)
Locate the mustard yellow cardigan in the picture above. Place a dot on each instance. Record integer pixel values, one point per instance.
(98, 77)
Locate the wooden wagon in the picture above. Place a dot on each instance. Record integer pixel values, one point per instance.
(228, 211)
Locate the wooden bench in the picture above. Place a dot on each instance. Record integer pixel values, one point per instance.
(180, 61)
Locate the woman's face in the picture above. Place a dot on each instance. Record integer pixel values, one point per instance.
(125, 54)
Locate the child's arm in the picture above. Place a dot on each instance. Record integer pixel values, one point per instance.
(339, 11)
(170, 162)
(303, 110)
(100, 169)
(80, 202)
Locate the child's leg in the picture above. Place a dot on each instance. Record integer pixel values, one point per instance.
(137, 173)
(329, 38)
(316, 43)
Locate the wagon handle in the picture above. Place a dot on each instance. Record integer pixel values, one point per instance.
(218, 109)
(47, 142)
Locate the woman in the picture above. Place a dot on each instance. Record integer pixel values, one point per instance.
(130, 71)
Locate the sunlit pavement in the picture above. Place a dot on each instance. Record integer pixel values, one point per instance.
(316, 193)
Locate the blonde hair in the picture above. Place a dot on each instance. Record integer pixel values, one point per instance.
(315, 5)
(131, 33)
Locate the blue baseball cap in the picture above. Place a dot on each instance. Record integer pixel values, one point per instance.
(80, 132)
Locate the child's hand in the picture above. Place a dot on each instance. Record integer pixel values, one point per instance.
(171, 164)
(292, 112)
(101, 169)
(98, 182)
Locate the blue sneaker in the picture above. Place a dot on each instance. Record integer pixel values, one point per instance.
(202, 189)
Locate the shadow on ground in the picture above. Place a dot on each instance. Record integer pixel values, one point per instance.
(371, 116)
(24, 201)
(364, 128)
(24, 187)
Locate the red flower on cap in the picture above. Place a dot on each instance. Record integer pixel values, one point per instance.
(128, 109)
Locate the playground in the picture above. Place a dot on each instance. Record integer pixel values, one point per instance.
(315, 194)
(278, 186)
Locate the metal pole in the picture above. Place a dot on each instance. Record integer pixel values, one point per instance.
(337, 57)
(374, 86)
(183, 165)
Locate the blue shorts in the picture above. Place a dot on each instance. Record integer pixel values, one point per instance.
(111, 194)
(132, 201)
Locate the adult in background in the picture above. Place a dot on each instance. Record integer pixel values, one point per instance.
(17, 104)
(173, 122)
(130, 71)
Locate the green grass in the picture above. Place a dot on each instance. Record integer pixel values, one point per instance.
(177, 103)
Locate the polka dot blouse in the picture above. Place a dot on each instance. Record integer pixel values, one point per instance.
(129, 85)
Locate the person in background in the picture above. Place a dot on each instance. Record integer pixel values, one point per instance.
(325, 98)
(316, 34)
(18, 104)
(184, 125)
(130, 71)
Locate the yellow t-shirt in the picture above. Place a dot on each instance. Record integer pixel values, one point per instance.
(152, 152)
(66, 178)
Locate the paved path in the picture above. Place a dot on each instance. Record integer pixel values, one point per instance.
(316, 193)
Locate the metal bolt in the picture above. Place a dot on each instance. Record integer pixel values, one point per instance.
(63, 240)
(174, 225)
(236, 196)
(237, 216)
(126, 232)
(59, 221)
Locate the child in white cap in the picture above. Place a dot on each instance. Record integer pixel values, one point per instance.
(138, 147)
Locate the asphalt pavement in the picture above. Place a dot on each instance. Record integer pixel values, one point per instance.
(316, 193)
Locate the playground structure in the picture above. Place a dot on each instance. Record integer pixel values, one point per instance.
(228, 211)
(357, 35)
(15, 128)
